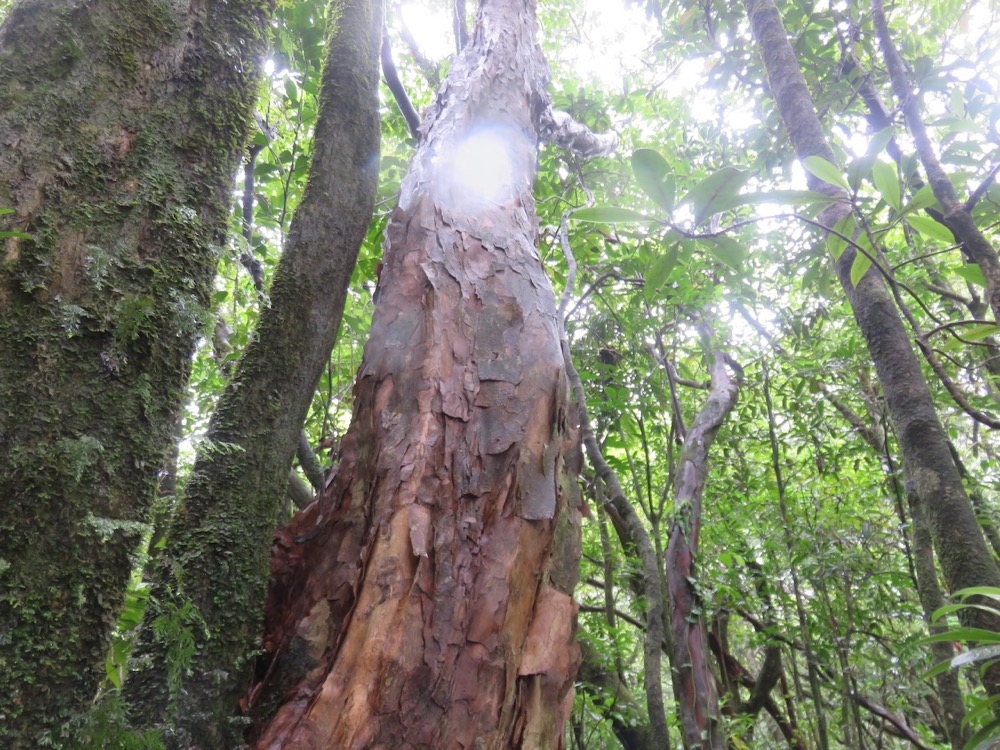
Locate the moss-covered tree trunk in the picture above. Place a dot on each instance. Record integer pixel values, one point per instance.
(930, 470)
(121, 125)
(425, 599)
(216, 555)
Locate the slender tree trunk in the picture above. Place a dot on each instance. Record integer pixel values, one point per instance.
(121, 126)
(930, 471)
(217, 553)
(697, 702)
(634, 535)
(425, 599)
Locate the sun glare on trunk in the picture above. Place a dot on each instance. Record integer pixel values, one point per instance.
(480, 171)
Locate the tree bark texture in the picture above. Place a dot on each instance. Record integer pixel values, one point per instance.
(697, 702)
(216, 555)
(121, 126)
(424, 601)
(931, 600)
(930, 471)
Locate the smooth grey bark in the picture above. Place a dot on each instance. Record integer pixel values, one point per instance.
(216, 554)
(121, 125)
(930, 472)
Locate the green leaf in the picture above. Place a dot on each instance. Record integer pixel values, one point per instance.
(983, 708)
(985, 738)
(659, 271)
(978, 333)
(979, 635)
(716, 192)
(972, 273)
(785, 198)
(923, 198)
(653, 175)
(20, 235)
(884, 177)
(609, 215)
(6, 211)
(859, 267)
(880, 140)
(979, 653)
(835, 241)
(825, 171)
(931, 229)
(727, 250)
(991, 592)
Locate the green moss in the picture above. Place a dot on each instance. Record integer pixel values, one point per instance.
(101, 310)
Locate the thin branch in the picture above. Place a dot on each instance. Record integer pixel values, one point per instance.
(459, 22)
(395, 85)
(900, 725)
(980, 191)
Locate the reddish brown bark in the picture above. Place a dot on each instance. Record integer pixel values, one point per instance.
(697, 702)
(425, 599)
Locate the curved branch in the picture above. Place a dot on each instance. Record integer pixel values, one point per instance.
(395, 85)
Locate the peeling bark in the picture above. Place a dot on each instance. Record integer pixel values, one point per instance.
(425, 599)
(697, 702)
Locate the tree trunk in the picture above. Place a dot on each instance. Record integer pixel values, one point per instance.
(957, 214)
(697, 702)
(425, 599)
(121, 126)
(930, 472)
(931, 600)
(216, 555)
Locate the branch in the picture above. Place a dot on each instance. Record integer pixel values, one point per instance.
(461, 29)
(900, 724)
(981, 190)
(395, 85)
(309, 462)
(638, 538)
(957, 214)
(560, 129)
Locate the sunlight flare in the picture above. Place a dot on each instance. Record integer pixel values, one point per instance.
(481, 170)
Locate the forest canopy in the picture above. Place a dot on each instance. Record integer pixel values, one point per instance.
(580, 373)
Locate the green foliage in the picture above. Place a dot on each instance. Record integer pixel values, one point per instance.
(982, 649)
(176, 628)
(702, 215)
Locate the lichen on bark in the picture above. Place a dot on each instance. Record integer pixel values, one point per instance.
(121, 125)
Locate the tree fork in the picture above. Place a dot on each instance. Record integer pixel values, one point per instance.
(216, 556)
